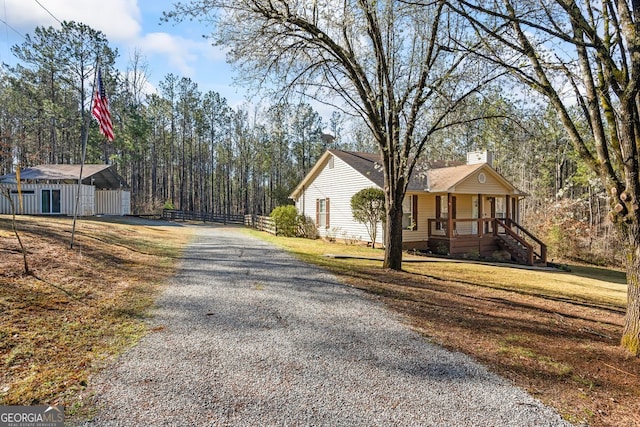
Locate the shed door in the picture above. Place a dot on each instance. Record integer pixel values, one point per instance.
(50, 201)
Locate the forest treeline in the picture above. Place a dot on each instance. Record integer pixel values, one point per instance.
(188, 149)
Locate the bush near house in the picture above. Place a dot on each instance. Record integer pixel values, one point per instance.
(289, 223)
(307, 227)
(367, 206)
(286, 220)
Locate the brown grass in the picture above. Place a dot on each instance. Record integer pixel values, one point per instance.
(80, 307)
(555, 334)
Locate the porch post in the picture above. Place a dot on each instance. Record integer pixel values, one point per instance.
(508, 210)
(480, 216)
(449, 216)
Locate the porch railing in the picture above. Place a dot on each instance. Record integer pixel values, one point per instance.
(461, 227)
(519, 241)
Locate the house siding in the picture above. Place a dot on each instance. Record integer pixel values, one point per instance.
(472, 185)
(338, 184)
(426, 206)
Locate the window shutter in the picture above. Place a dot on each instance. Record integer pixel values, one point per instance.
(438, 212)
(317, 212)
(327, 209)
(415, 212)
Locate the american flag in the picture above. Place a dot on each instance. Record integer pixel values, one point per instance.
(101, 110)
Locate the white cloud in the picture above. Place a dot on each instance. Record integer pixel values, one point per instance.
(122, 23)
(118, 19)
(181, 53)
(129, 25)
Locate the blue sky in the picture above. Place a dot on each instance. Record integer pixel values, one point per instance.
(129, 25)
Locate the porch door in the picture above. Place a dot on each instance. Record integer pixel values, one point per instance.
(50, 201)
(475, 213)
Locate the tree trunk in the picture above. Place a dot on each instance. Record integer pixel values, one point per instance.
(631, 332)
(393, 233)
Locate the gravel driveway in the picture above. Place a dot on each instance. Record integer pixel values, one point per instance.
(250, 336)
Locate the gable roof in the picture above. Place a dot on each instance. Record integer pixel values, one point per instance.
(102, 176)
(368, 164)
(440, 176)
(445, 179)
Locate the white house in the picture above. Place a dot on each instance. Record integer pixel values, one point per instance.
(52, 190)
(455, 208)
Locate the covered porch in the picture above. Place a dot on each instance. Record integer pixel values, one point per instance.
(482, 225)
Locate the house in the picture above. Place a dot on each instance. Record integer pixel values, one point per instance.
(53, 190)
(455, 208)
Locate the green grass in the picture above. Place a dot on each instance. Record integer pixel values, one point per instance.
(590, 285)
(583, 284)
(316, 251)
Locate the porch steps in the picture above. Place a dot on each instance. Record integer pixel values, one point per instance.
(518, 252)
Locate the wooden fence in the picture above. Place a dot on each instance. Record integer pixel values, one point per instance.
(174, 215)
(262, 223)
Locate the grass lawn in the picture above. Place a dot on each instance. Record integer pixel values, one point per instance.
(80, 307)
(553, 333)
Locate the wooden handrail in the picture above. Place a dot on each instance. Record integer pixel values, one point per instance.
(543, 247)
(512, 223)
(515, 236)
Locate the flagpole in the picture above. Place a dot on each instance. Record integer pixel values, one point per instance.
(85, 137)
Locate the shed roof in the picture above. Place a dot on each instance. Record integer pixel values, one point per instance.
(101, 176)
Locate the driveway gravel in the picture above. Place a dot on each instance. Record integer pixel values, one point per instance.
(247, 335)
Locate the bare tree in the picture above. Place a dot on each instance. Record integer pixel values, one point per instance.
(6, 193)
(391, 63)
(584, 59)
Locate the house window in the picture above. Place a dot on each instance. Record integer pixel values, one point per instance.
(410, 212)
(322, 213)
(23, 192)
(50, 201)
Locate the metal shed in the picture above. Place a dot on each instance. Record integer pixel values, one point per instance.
(52, 190)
